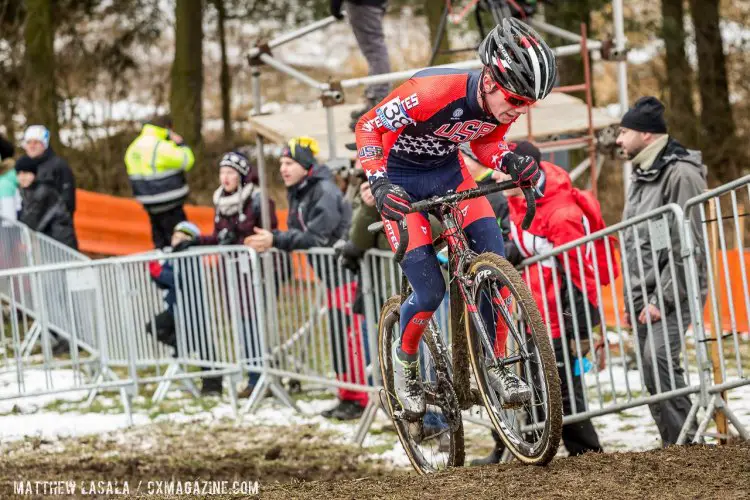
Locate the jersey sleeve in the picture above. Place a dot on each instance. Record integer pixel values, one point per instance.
(492, 148)
(414, 101)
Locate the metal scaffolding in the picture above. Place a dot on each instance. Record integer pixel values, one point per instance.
(332, 92)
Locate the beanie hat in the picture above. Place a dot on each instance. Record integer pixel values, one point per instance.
(238, 162)
(37, 133)
(188, 228)
(26, 164)
(646, 115)
(302, 150)
(525, 148)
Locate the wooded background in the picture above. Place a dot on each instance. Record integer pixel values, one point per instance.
(57, 57)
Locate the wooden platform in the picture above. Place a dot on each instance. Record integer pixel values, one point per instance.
(559, 114)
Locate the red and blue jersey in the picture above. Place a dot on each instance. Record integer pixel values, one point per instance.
(422, 122)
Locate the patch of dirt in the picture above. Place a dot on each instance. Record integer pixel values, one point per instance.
(189, 452)
(677, 472)
(305, 461)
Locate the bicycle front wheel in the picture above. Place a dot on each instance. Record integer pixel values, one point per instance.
(506, 332)
(437, 440)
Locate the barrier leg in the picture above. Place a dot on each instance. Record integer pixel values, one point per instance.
(161, 391)
(30, 341)
(682, 438)
(365, 422)
(125, 398)
(706, 419)
(258, 392)
(735, 421)
(278, 390)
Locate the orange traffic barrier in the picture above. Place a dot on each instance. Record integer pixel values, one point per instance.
(110, 225)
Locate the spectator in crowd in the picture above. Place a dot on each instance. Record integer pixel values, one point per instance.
(483, 176)
(366, 19)
(237, 202)
(665, 172)
(9, 197)
(319, 217)
(157, 161)
(42, 207)
(164, 276)
(238, 212)
(563, 214)
(51, 169)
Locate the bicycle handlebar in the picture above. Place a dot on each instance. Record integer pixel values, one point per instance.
(436, 201)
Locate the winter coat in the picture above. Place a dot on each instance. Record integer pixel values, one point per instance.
(6, 148)
(54, 170)
(676, 175)
(230, 228)
(43, 210)
(318, 215)
(9, 195)
(559, 219)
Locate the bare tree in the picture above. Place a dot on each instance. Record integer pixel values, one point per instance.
(718, 131)
(186, 98)
(683, 123)
(40, 100)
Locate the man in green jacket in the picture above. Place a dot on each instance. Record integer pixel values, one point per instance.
(157, 161)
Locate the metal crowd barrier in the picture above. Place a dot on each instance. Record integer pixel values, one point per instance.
(613, 386)
(290, 315)
(719, 219)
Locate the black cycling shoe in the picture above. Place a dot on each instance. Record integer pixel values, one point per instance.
(345, 410)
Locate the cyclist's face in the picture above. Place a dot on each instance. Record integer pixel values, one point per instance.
(292, 172)
(501, 109)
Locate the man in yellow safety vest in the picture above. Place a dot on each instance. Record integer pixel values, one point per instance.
(157, 161)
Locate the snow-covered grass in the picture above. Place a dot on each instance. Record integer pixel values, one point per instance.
(53, 417)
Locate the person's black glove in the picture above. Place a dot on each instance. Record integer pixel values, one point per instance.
(184, 245)
(336, 9)
(349, 254)
(392, 201)
(523, 170)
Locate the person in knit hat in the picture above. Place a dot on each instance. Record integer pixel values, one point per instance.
(319, 216)
(238, 205)
(665, 172)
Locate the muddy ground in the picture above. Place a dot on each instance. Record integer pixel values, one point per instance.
(307, 462)
(687, 472)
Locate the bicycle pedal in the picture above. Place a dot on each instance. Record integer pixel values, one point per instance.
(511, 406)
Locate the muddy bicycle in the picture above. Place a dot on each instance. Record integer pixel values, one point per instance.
(487, 296)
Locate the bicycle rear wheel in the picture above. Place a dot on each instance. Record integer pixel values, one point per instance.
(437, 440)
(530, 430)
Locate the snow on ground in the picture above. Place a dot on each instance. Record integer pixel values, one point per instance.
(63, 415)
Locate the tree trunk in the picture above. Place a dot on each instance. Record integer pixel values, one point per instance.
(186, 97)
(681, 117)
(433, 10)
(718, 132)
(39, 81)
(225, 79)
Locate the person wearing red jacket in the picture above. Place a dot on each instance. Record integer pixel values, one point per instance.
(563, 214)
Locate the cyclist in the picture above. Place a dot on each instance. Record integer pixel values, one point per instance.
(408, 147)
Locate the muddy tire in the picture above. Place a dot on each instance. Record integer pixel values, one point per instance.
(428, 452)
(531, 431)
